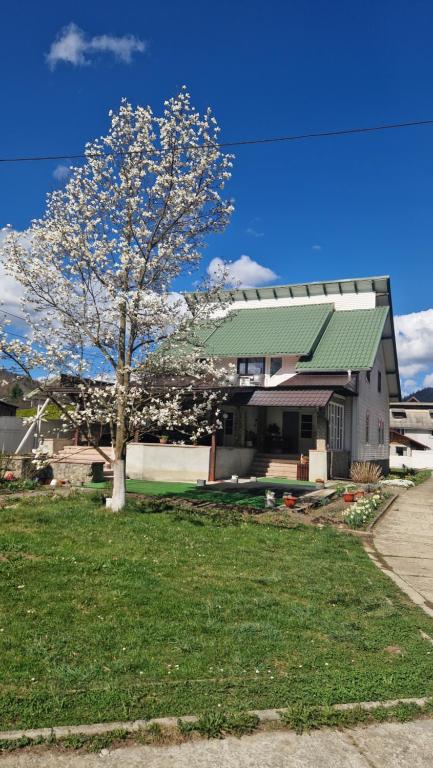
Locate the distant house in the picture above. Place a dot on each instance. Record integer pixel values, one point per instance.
(316, 368)
(6, 409)
(411, 435)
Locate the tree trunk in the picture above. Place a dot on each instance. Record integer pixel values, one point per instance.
(118, 495)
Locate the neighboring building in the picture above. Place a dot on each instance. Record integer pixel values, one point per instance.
(411, 436)
(316, 367)
(6, 409)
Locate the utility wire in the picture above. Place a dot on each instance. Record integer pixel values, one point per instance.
(228, 144)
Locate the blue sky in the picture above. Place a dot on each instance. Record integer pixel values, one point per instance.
(310, 210)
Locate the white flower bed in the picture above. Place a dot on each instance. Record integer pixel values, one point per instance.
(362, 511)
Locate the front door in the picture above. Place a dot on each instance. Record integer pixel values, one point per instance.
(291, 432)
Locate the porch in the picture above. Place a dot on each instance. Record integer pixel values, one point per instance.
(304, 435)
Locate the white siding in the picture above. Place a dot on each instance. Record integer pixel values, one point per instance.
(376, 404)
(343, 301)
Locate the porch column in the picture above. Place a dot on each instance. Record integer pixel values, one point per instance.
(318, 457)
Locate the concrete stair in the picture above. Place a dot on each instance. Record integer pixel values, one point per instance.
(274, 465)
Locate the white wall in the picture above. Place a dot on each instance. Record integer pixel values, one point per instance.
(343, 301)
(153, 461)
(12, 431)
(418, 460)
(233, 461)
(377, 405)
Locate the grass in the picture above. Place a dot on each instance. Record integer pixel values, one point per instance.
(235, 494)
(113, 617)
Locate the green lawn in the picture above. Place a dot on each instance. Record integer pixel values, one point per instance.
(107, 617)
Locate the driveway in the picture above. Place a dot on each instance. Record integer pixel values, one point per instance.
(403, 543)
(408, 745)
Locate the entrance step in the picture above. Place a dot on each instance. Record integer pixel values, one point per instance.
(274, 465)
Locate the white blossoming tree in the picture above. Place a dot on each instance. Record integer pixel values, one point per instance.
(98, 272)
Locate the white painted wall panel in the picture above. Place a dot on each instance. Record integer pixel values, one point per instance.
(344, 301)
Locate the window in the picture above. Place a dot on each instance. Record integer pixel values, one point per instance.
(400, 451)
(379, 381)
(398, 414)
(336, 426)
(306, 425)
(367, 376)
(276, 363)
(229, 422)
(251, 366)
(367, 427)
(381, 431)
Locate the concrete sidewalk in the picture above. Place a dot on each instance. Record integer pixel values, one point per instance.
(403, 540)
(389, 745)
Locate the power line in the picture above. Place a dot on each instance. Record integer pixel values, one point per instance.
(228, 144)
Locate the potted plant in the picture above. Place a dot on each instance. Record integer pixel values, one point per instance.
(163, 439)
(348, 496)
(289, 500)
(359, 494)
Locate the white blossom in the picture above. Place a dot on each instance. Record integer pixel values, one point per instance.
(98, 273)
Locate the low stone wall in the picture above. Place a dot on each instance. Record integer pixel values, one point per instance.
(77, 473)
(21, 466)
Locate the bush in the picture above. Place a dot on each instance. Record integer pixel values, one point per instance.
(365, 472)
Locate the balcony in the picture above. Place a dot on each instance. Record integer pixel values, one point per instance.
(248, 380)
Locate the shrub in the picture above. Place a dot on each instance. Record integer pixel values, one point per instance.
(365, 472)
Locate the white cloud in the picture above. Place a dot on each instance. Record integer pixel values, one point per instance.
(61, 172)
(428, 380)
(414, 334)
(408, 386)
(72, 46)
(316, 247)
(242, 273)
(254, 227)
(253, 232)
(11, 291)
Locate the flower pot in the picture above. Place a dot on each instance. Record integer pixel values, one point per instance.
(289, 501)
(348, 497)
(359, 494)
(163, 440)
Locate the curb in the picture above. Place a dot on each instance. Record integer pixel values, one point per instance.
(382, 512)
(131, 726)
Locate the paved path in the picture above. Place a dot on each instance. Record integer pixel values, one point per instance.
(389, 745)
(403, 540)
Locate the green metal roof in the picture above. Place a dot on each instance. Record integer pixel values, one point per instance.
(269, 331)
(350, 341)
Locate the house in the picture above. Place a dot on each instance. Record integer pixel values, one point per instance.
(411, 434)
(7, 409)
(315, 369)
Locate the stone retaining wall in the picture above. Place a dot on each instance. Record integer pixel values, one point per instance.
(77, 473)
(21, 466)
